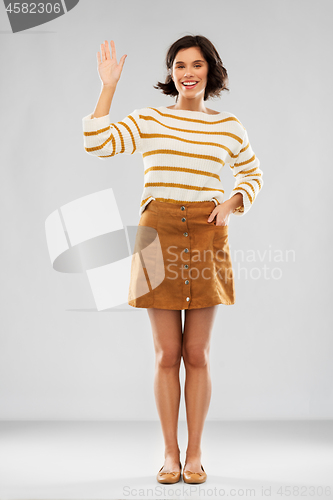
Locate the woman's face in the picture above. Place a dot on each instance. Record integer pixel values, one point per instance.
(189, 65)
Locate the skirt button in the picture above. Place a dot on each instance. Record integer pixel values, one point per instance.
(185, 234)
(186, 250)
(183, 219)
(182, 208)
(186, 266)
(187, 298)
(186, 282)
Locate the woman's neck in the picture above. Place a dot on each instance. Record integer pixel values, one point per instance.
(191, 105)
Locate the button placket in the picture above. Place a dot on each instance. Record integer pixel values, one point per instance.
(186, 282)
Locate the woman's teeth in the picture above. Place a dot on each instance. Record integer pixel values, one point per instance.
(189, 85)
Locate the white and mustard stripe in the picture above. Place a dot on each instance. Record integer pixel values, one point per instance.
(183, 153)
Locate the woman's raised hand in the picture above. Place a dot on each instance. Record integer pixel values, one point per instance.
(108, 69)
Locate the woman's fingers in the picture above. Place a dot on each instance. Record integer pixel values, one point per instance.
(103, 51)
(113, 48)
(122, 60)
(107, 50)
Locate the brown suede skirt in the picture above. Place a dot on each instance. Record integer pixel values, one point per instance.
(180, 260)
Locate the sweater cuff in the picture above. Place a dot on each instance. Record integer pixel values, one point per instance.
(246, 203)
(92, 124)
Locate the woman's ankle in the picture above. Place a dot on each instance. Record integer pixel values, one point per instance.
(193, 454)
(172, 453)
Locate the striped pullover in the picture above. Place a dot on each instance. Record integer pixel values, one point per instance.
(183, 153)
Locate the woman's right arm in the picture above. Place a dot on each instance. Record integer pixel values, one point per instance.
(102, 138)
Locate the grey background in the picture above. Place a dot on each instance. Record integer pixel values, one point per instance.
(271, 355)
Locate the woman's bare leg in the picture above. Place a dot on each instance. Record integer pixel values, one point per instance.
(196, 345)
(167, 334)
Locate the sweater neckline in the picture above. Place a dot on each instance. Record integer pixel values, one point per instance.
(188, 112)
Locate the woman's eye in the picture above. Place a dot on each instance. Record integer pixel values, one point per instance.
(196, 66)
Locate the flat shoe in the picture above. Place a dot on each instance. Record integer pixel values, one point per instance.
(168, 477)
(194, 477)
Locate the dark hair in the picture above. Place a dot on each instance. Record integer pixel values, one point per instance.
(217, 78)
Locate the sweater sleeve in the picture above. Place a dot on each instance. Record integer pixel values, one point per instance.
(105, 139)
(248, 176)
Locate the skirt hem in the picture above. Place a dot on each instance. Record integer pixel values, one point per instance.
(185, 308)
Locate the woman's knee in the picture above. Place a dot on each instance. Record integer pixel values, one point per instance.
(169, 357)
(195, 356)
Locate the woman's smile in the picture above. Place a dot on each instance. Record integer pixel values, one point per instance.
(189, 84)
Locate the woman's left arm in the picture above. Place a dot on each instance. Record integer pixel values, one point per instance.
(248, 177)
(248, 183)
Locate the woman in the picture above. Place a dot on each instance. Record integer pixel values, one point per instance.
(184, 148)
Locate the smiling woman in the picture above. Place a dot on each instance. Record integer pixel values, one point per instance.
(181, 259)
